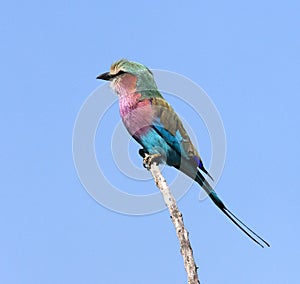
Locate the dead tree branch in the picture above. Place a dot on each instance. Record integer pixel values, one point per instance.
(151, 163)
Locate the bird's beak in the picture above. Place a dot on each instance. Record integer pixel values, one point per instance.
(105, 76)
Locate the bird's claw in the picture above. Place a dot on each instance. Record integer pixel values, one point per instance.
(150, 159)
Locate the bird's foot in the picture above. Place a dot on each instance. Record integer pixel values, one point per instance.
(150, 159)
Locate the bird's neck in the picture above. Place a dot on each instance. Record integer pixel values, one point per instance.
(125, 87)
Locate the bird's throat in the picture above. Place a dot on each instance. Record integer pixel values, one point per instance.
(125, 85)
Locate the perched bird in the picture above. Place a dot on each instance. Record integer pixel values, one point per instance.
(153, 123)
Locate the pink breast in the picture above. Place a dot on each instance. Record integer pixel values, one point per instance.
(137, 117)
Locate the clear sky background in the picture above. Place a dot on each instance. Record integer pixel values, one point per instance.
(246, 57)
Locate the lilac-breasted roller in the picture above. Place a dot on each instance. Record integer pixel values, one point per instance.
(153, 123)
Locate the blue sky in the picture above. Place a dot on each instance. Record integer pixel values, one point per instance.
(244, 55)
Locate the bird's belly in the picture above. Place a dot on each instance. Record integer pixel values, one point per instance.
(153, 143)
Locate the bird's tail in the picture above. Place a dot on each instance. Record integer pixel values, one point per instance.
(214, 197)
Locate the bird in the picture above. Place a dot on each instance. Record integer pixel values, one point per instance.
(154, 124)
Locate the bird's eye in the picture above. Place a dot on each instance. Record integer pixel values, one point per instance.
(118, 74)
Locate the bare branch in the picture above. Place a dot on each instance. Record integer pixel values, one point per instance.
(151, 163)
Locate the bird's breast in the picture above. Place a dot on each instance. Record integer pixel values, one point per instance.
(136, 115)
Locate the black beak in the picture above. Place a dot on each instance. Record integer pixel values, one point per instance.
(105, 76)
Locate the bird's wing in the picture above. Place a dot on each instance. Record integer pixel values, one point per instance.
(169, 126)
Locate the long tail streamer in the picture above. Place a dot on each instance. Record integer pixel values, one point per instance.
(242, 226)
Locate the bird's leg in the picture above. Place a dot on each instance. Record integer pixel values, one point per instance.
(150, 159)
(144, 154)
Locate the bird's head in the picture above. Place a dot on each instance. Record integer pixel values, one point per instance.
(129, 76)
